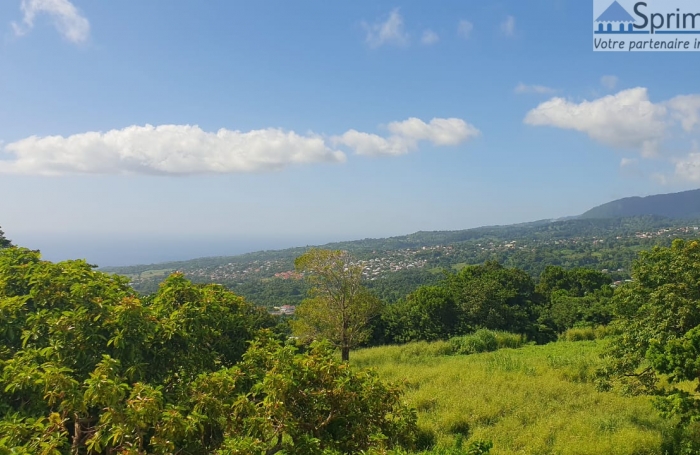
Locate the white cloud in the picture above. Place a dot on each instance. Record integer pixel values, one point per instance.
(166, 149)
(686, 109)
(64, 15)
(688, 168)
(626, 120)
(465, 28)
(609, 82)
(429, 37)
(390, 31)
(508, 26)
(628, 162)
(406, 135)
(186, 149)
(540, 89)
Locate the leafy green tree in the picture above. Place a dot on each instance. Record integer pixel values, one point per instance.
(87, 367)
(311, 404)
(429, 314)
(340, 308)
(577, 282)
(76, 341)
(495, 297)
(575, 296)
(4, 243)
(659, 317)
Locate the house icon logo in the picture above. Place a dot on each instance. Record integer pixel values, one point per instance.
(615, 20)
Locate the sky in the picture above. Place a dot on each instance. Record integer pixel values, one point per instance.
(145, 131)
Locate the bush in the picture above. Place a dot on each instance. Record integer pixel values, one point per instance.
(485, 341)
(422, 350)
(509, 340)
(579, 334)
(587, 333)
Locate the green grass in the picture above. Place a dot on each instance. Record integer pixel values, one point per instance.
(532, 400)
(156, 273)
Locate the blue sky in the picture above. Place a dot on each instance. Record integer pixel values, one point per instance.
(137, 131)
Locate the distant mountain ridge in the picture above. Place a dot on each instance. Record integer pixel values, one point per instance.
(681, 205)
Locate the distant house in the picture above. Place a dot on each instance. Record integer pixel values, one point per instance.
(615, 14)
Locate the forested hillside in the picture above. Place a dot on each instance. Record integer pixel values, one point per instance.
(675, 205)
(396, 266)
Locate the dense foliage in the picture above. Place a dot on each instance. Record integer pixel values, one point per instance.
(339, 307)
(676, 205)
(495, 297)
(86, 366)
(4, 242)
(600, 244)
(657, 352)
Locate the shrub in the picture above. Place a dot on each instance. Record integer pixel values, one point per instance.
(485, 341)
(587, 333)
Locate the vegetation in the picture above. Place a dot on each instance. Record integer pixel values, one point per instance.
(494, 297)
(86, 366)
(4, 243)
(339, 308)
(89, 366)
(532, 400)
(676, 205)
(658, 350)
(599, 244)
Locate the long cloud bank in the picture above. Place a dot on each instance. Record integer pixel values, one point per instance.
(186, 149)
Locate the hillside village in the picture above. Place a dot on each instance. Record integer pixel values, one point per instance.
(377, 263)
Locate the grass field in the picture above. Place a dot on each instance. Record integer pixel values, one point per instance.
(532, 400)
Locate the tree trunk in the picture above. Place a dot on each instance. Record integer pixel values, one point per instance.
(345, 353)
(77, 436)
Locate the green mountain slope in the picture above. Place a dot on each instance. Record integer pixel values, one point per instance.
(674, 205)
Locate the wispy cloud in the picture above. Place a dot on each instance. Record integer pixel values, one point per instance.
(686, 109)
(539, 89)
(65, 16)
(508, 26)
(429, 37)
(465, 29)
(391, 31)
(609, 82)
(406, 135)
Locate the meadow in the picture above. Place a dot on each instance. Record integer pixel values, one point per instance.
(530, 400)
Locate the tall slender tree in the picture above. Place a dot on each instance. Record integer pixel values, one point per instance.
(339, 307)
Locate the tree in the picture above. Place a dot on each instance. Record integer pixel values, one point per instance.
(4, 243)
(430, 313)
(305, 404)
(340, 308)
(659, 319)
(494, 297)
(88, 367)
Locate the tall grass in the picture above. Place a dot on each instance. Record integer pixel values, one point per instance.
(485, 341)
(532, 400)
(588, 333)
